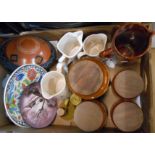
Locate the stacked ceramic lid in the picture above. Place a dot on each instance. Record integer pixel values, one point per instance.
(126, 114)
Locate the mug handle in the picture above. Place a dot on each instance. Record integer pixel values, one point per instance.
(81, 54)
(106, 53)
(60, 66)
(61, 59)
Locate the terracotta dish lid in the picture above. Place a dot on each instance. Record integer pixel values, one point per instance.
(127, 116)
(88, 78)
(128, 84)
(28, 50)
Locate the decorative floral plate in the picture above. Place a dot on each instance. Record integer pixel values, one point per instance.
(19, 79)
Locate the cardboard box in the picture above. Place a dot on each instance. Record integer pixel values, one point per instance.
(144, 67)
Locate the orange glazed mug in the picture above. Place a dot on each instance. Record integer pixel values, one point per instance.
(130, 42)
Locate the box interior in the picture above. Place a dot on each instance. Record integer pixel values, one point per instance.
(144, 67)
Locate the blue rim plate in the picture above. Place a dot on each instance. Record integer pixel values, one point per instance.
(19, 79)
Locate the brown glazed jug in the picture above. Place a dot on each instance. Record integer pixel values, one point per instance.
(130, 42)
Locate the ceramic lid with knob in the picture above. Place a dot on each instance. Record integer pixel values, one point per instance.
(128, 84)
(88, 78)
(90, 116)
(127, 116)
(28, 50)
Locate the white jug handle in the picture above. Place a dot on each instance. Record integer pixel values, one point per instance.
(62, 59)
(79, 35)
(59, 66)
(81, 54)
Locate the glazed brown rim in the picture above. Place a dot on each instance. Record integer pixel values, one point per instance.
(105, 83)
(123, 28)
(102, 108)
(113, 81)
(118, 103)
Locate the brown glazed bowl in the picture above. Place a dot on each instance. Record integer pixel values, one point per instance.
(88, 78)
(27, 49)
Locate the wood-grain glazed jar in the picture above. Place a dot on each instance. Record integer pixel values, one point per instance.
(128, 84)
(88, 78)
(90, 116)
(127, 116)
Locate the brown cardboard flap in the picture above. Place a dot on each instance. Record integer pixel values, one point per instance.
(50, 129)
(3, 118)
(152, 104)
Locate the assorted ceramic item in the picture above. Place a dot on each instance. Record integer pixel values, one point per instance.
(75, 99)
(31, 93)
(88, 78)
(69, 112)
(27, 49)
(70, 45)
(90, 116)
(93, 45)
(37, 111)
(62, 107)
(66, 108)
(128, 84)
(53, 84)
(127, 116)
(17, 82)
(130, 42)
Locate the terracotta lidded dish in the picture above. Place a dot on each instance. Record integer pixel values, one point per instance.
(27, 49)
(128, 84)
(90, 116)
(127, 116)
(88, 78)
